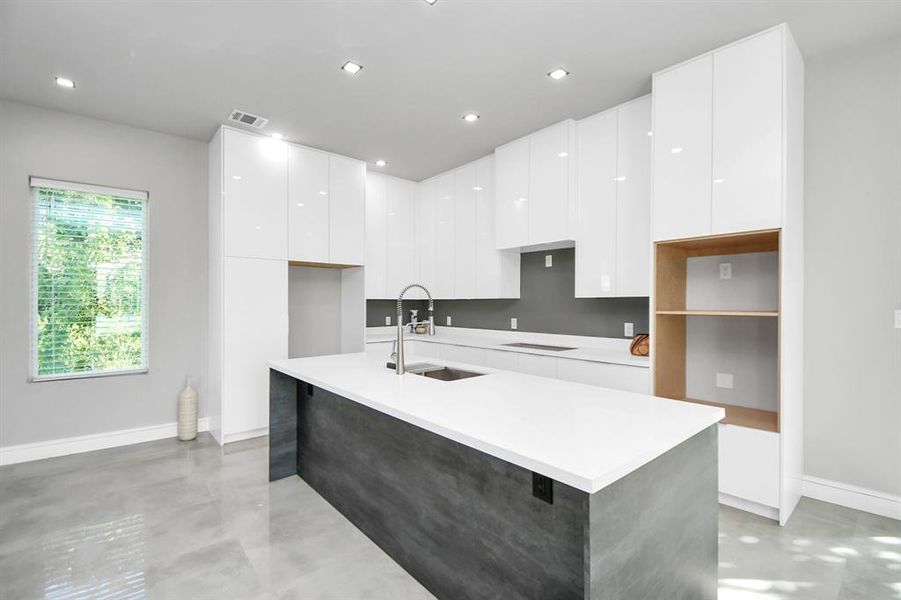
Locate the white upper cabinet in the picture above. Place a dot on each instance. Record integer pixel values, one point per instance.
(596, 232)
(347, 181)
(465, 231)
(497, 271)
(747, 135)
(376, 235)
(683, 118)
(255, 195)
(308, 205)
(721, 126)
(445, 237)
(425, 234)
(511, 177)
(550, 184)
(633, 199)
(400, 267)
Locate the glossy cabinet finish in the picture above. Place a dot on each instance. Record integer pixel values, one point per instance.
(683, 120)
(254, 195)
(400, 266)
(549, 184)
(465, 231)
(749, 464)
(426, 234)
(747, 135)
(347, 181)
(445, 236)
(596, 233)
(497, 271)
(255, 331)
(511, 180)
(618, 377)
(633, 199)
(376, 236)
(308, 204)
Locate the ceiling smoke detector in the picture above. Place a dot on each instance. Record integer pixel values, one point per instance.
(245, 118)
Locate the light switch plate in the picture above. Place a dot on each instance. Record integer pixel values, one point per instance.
(548, 260)
(724, 380)
(898, 319)
(512, 322)
(628, 329)
(725, 270)
(448, 320)
(387, 319)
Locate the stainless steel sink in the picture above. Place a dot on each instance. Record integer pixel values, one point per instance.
(439, 372)
(538, 346)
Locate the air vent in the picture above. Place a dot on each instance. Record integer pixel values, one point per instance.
(245, 118)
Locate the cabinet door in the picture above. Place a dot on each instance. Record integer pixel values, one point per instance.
(500, 359)
(549, 158)
(633, 199)
(463, 354)
(536, 364)
(376, 235)
(426, 230)
(308, 205)
(465, 231)
(616, 377)
(254, 331)
(347, 182)
(445, 237)
(255, 186)
(511, 189)
(596, 231)
(747, 135)
(400, 268)
(682, 149)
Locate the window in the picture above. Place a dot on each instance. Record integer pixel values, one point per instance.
(89, 280)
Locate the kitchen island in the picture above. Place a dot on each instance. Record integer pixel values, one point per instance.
(507, 485)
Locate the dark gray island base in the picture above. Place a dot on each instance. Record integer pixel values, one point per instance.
(467, 525)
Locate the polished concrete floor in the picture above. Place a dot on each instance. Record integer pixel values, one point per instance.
(174, 520)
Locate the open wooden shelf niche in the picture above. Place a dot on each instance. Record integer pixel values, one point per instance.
(671, 262)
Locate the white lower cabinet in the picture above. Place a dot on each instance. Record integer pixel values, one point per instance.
(618, 377)
(499, 359)
(463, 354)
(749, 464)
(535, 364)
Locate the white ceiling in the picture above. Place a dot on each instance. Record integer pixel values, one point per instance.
(180, 67)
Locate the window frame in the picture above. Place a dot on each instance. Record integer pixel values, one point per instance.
(38, 183)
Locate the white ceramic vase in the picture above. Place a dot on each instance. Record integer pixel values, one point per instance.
(187, 413)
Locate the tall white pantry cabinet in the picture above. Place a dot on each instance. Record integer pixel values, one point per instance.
(727, 227)
(272, 205)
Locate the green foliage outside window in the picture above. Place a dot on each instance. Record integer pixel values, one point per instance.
(89, 283)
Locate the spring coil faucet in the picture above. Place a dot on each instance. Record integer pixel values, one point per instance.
(398, 353)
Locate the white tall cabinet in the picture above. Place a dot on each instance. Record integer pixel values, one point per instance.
(614, 198)
(728, 136)
(271, 205)
(390, 235)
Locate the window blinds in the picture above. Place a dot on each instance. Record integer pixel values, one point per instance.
(89, 280)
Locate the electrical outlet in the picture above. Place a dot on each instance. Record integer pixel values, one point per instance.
(512, 322)
(388, 320)
(628, 329)
(725, 270)
(543, 487)
(448, 320)
(548, 260)
(724, 380)
(898, 319)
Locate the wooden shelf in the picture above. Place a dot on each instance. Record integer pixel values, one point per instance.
(755, 418)
(721, 313)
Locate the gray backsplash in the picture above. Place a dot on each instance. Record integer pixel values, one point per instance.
(546, 305)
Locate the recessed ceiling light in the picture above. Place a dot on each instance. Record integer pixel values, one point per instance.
(478, 188)
(563, 154)
(676, 150)
(521, 199)
(323, 193)
(351, 67)
(64, 82)
(470, 117)
(620, 178)
(300, 204)
(236, 177)
(430, 2)
(380, 163)
(278, 136)
(719, 180)
(558, 73)
(650, 133)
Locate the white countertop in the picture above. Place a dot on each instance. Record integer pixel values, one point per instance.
(581, 435)
(589, 349)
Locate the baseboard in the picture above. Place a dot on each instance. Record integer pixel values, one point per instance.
(852, 496)
(228, 438)
(10, 455)
(762, 510)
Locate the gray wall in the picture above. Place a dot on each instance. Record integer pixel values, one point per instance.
(853, 267)
(57, 145)
(314, 311)
(547, 304)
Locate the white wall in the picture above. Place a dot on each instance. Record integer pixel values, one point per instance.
(853, 267)
(174, 170)
(314, 311)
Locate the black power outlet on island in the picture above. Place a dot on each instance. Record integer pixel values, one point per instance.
(543, 488)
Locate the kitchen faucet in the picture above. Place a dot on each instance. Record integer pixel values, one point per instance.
(398, 352)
